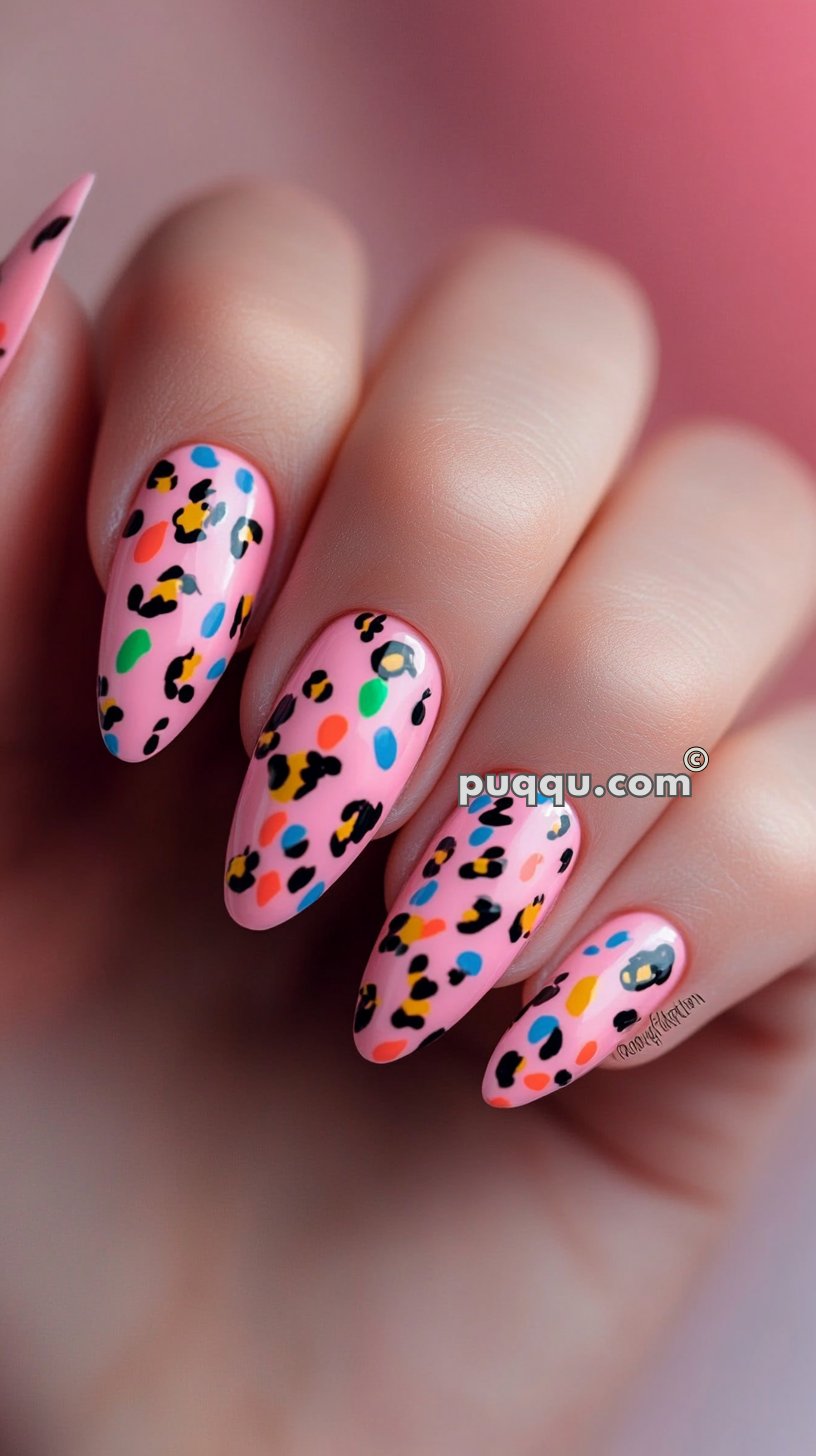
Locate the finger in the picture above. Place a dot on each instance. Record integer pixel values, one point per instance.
(46, 418)
(233, 360)
(638, 653)
(25, 272)
(729, 879)
(497, 420)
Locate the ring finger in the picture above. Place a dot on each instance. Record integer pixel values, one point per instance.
(641, 651)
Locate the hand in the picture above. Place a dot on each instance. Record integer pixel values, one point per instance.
(224, 1230)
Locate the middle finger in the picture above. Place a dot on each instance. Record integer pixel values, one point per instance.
(498, 418)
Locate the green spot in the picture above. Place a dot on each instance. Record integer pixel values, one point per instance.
(134, 646)
(372, 696)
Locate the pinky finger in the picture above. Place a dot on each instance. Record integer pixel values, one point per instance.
(719, 896)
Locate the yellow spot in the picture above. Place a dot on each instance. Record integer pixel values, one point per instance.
(581, 995)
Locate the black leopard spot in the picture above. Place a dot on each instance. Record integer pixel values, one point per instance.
(300, 878)
(241, 870)
(483, 912)
(109, 711)
(51, 231)
(163, 477)
(508, 1067)
(367, 1004)
(403, 930)
(245, 533)
(525, 921)
(177, 677)
(240, 621)
(153, 741)
(488, 865)
(545, 994)
(445, 848)
(193, 520)
(369, 624)
(624, 1020)
(414, 1009)
(648, 968)
(562, 1078)
(294, 775)
(270, 737)
(392, 659)
(163, 597)
(566, 860)
(497, 816)
(356, 821)
(552, 1044)
(135, 523)
(418, 714)
(318, 687)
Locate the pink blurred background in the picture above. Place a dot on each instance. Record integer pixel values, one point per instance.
(676, 134)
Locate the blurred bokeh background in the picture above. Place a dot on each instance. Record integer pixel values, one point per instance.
(676, 134)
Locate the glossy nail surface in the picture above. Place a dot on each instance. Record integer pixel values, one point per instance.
(24, 274)
(331, 761)
(186, 572)
(487, 880)
(612, 981)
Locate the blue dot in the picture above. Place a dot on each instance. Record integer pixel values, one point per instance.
(592, 950)
(217, 668)
(385, 747)
(480, 835)
(213, 619)
(469, 962)
(543, 798)
(244, 479)
(292, 835)
(206, 456)
(619, 938)
(480, 803)
(542, 1027)
(111, 742)
(425, 893)
(311, 895)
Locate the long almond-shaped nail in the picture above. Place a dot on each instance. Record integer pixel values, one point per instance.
(487, 879)
(331, 761)
(615, 978)
(184, 578)
(24, 274)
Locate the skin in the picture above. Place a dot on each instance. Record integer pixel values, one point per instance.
(211, 1240)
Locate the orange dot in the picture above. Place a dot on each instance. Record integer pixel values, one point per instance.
(537, 1081)
(268, 886)
(530, 866)
(433, 927)
(499, 1102)
(331, 730)
(586, 1053)
(150, 542)
(270, 828)
(386, 1051)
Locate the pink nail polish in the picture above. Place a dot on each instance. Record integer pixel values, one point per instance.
(331, 761)
(489, 878)
(186, 572)
(611, 982)
(24, 274)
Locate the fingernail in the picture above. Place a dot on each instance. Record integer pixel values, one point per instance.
(611, 982)
(331, 761)
(186, 572)
(486, 881)
(24, 274)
